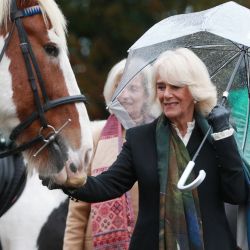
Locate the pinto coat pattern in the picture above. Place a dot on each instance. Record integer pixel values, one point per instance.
(34, 215)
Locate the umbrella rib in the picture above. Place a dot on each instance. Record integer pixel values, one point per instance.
(246, 128)
(242, 54)
(119, 90)
(224, 65)
(246, 61)
(237, 45)
(213, 46)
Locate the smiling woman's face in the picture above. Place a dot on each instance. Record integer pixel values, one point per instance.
(133, 98)
(177, 102)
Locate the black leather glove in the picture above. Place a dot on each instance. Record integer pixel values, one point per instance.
(3, 143)
(49, 183)
(218, 118)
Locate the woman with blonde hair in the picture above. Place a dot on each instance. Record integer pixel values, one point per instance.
(106, 225)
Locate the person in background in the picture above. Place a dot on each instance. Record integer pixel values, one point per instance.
(108, 225)
(156, 154)
(136, 98)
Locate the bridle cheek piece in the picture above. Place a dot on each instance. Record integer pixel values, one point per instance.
(33, 70)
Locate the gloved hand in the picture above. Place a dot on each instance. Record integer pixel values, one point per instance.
(3, 143)
(218, 118)
(49, 183)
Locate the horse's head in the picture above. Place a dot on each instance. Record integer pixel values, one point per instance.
(41, 108)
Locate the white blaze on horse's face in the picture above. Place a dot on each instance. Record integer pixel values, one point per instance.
(8, 117)
(64, 159)
(75, 156)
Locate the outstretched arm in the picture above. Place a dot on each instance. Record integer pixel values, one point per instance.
(114, 182)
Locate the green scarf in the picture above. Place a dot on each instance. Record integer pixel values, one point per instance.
(180, 221)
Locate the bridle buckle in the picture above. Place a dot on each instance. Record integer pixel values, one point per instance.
(51, 137)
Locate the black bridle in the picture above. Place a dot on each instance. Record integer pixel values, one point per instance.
(33, 70)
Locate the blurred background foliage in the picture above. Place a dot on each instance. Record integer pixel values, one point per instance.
(101, 32)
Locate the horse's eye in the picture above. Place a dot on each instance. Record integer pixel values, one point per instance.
(51, 50)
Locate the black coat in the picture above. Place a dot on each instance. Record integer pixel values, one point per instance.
(138, 161)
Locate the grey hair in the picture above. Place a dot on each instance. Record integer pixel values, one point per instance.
(114, 77)
(182, 67)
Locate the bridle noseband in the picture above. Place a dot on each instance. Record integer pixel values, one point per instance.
(33, 70)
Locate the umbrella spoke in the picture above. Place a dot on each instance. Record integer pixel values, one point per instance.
(215, 47)
(237, 66)
(224, 65)
(239, 45)
(243, 145)
(246, 62)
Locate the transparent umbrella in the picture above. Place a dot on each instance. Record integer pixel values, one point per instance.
(220, 36)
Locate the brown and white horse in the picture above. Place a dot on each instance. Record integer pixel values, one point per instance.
(41, 108)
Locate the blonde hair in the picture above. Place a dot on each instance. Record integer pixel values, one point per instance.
(182, 67)
(113, 79)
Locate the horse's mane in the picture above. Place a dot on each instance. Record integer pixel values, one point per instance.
(50, 11)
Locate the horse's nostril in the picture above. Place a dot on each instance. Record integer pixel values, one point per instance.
(72, 167)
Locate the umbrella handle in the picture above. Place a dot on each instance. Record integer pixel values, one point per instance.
(195, 183)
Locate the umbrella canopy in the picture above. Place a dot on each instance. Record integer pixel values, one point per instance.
(220, 36)
(239, 104)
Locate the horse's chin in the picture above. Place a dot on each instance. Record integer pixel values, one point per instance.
(70, 176)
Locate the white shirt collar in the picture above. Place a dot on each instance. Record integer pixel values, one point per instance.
(186, 137)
